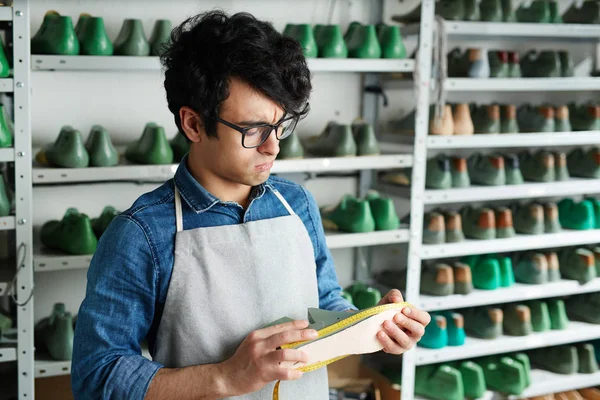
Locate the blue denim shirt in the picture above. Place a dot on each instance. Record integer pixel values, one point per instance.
(129, 276)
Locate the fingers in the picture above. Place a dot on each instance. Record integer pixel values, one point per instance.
(420, 316)
(393, 296)
(287, 356)
(394, 341)
(283, 327)
(415, 328)
(290, 336)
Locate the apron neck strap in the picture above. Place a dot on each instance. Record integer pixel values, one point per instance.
(178, 213)
(284, 202)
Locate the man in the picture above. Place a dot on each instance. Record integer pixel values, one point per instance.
(198, 265)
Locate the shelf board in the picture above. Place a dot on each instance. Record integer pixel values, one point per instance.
(516, 31)
(360, 65)
(504, 140)
(161, 173)
(546, 382)
(517, 292)
(574, 186)
(7, 155)
(6, 13)
(145, 173)
(337, 164)
(347, 240)
(7, 223)
(8, 354)
(517, 243)
(129, 63)
(46, 367)
(6, 85)
(45, 260)
(522, 84)
(475, 347)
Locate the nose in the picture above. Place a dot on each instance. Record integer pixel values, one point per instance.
(270, 146)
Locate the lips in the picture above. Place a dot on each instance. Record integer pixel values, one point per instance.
(265, 167)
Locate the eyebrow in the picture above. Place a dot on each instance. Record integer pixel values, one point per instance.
(260, 122)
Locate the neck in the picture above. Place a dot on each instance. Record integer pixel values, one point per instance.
(221, 188)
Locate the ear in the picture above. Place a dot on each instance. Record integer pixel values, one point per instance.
(191, 124)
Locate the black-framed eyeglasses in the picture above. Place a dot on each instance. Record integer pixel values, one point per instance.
(255, 135)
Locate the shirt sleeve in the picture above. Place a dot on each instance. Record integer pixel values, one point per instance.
(330, 297)
(115, 317)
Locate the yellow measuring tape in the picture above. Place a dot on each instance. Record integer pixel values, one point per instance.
(331, 329)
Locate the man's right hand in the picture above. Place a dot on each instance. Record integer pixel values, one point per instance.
(257, 361)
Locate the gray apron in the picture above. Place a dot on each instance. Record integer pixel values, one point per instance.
(230, 280)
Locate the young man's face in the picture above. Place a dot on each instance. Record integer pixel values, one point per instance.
(226, 156)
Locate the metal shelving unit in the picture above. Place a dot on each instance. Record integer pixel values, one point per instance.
(421, 143)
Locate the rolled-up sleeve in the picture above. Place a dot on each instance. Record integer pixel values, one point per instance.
(115, 317)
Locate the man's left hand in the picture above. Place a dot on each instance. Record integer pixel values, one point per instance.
(405, 329)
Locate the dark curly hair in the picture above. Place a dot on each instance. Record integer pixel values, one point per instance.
(206, 50)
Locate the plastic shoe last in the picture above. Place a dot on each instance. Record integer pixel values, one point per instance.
(504, 223)
(529, 219)
(439, 382)
(491, 10)
(537, 11)
(131, 40)
(517, 320)
(56, 36)
(540, 316)
(463, 278)
(330, 42)
(363, 42)
(561, 171)
(59, 339)
(383, 212)
(558, 359)
(553, 267)
(512, 169)
(456, 328)
(485, 271)
(483, 322)
(486, 170)
(478, 223)
(68, 150)
(436, 333)
(364, 136)
(587, 12)
(531, 268)
(434, 229)
(558, 314)
(5, 205)
(100, 224)
(579, 216)
(453, 223)
(335, 141)
(584, 163)
(161, 33)
(578, 264)
(73, 234)
(538, 167)
(436, 280)
(505, 374)
(151, 148)
(350, 215)
(6, 128)
(391, 42)
(101, 151)
(587, 359)
(93, 39)
(473, 379)
(438, 175)
(584, 308)
(508, 119)
(459, 172)
(463, 124)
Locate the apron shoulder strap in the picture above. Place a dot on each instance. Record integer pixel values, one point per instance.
(284, 202)
(178, 213)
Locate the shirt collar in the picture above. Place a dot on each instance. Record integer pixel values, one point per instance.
(197, 197)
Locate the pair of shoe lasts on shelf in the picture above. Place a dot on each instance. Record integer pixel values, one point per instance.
(484, 223)
(356, 215)
(76, 233)
(540, 11)
(57, 36)
(336, 140)
(508, 374)
(359, 41)
(583, 215)
(566, 359)
(55, 333)
(448, 328)
(479, 63)
(69, 151)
